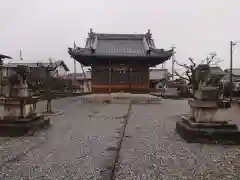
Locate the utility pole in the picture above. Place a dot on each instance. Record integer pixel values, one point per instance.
(173, 61)
(74, 63)
(230, 76)
(21, 58)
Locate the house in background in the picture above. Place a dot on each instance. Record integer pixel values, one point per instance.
(235, 79)
(36, 71)
(37, 74)
(81, 80)
(157, 78)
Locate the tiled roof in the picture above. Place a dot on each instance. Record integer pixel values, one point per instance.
(235, 71)
(120, 45)
(217, 71)
(158, 74)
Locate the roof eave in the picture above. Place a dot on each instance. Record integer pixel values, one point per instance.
(161, 54)
(5, 57)
(65, 66)
(95, 56)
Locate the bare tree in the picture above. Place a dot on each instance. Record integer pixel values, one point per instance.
(188, 74)
(48, 83)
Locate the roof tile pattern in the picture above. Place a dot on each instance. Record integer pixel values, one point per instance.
(120, 47)
(217, 71)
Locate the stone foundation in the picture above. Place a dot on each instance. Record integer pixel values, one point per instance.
(212, 132)
(17, 107)
(206, 124)
(21, 127)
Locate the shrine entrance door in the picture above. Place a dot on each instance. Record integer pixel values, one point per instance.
(120, 79)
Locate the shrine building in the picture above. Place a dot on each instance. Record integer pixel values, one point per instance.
(120, 62)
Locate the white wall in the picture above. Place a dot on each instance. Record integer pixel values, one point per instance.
(60, 72)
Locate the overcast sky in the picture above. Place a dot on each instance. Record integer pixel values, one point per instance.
(46, 28)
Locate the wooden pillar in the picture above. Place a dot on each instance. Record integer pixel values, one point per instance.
(130, 79)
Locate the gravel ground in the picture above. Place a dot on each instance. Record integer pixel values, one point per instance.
(83, 142)
(152, 149)
(79, 145)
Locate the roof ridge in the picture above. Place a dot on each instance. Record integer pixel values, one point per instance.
(119, 34)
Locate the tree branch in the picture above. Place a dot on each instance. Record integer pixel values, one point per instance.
(182, 65)
(180, 76)
(211, 59)
(189, 75)
(192, 61)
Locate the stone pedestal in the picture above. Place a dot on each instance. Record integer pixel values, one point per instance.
(17, 107)
(212, 132)
(17, 112)
(202, 111)
(203, 126)
(18, 117)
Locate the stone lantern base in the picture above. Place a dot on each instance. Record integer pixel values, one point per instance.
(18, 117)
(202, 126)
(24, 126)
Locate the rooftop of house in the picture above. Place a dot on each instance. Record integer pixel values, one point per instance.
(217, 71)
(36, 64)
(235, 71)
(120, 45)
(214, 70)
(158, 74)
